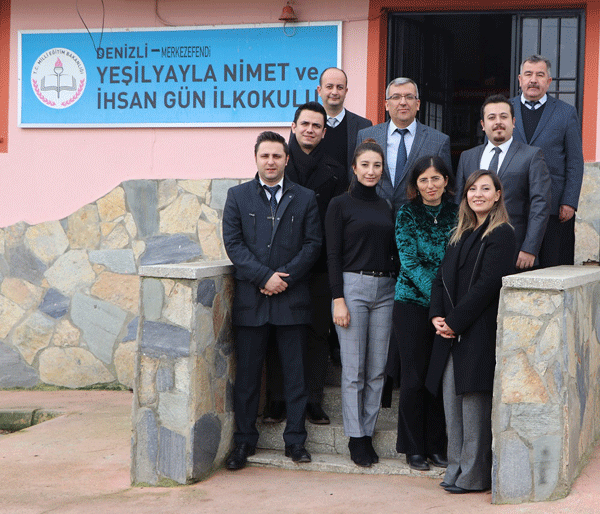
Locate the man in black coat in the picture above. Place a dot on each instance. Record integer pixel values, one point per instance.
(342, 125)
(272, 234)
(310, 166)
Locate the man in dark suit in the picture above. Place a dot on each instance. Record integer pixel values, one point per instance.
(522, 171)
(403, 139)
(342, 125)
(310, 166)
(553, 126)
(272, 234)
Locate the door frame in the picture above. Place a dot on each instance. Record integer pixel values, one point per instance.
(377, 50)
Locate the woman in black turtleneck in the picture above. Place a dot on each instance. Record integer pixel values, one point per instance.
(359, 231)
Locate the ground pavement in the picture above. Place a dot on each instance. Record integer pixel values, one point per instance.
(79, 463)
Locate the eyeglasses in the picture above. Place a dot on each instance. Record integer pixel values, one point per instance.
(438, 179)
(408, 98)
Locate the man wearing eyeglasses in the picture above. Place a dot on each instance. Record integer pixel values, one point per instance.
(403, 139)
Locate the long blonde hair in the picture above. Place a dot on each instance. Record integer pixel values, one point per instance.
(467, 219)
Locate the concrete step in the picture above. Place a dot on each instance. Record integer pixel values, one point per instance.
(332, 404)
(330, 438)
(335, 463)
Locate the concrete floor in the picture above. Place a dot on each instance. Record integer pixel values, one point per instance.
(79, 463)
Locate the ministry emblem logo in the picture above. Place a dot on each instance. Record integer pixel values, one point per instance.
(58, 78)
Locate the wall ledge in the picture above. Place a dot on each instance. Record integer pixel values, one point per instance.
(557, 278)
(189, 270)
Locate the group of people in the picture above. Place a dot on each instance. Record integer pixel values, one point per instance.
(368, 227)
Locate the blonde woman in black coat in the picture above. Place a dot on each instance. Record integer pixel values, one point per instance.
(464, 307)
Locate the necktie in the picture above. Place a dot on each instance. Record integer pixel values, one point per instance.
(273, 192)
(401, 159)
(532, 104)
(332, 122)
(494, 162)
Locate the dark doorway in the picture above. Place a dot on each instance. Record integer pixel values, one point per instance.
(459, 59)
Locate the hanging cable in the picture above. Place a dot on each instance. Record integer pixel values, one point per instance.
(88, 30)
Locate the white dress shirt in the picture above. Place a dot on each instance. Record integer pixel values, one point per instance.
(338, 118)
(541, 101)
(393, 141)
(488, 154)
(279, 193)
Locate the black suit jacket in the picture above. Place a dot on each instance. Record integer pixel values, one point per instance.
(526, 182)
(258, 246)
(465, 292)
(558, 134)
(355, 124)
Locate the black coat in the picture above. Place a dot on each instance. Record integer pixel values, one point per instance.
(465, 292)
(328, 179)
(258, 246)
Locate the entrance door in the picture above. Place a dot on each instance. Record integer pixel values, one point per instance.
(459, 59)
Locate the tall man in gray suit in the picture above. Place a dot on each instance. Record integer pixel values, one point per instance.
(342, 125)
(522, 171)
(553, 126)
(403, 139)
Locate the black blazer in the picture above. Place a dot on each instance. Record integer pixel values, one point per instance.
(258, 246)
(466, 292)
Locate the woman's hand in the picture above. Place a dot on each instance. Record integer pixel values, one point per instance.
(341, 316)
(441, 328)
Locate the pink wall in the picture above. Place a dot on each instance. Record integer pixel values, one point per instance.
(49, 173)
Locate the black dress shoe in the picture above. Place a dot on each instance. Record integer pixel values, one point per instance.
(418, 462)
(444, 484)
(438, 459)
(316, 415)
(359, 452)
(454, 489)
(371, 450)
(275, 413)
(297, 452)
(239, 455)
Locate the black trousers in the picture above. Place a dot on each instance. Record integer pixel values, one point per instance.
(558, 246)
(317, 345)
(251, 348)
(421, 422)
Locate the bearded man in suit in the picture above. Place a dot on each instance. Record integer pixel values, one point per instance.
(522, 171)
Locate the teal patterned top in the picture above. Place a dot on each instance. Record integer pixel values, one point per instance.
(421, 245)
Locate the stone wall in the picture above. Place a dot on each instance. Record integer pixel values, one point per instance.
(546, 407)
(69, 289)
(587, 230)
(183, 394)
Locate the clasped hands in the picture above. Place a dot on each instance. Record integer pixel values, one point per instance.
(441, 328)
(275, 284)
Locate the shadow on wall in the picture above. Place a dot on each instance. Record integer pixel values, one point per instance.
(69, 289)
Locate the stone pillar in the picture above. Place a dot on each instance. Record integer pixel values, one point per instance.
(183, 389)
(546, 407)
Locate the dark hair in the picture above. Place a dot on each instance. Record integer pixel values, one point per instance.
(311, 106)
(422, 165)
(467, 219)
(498, 99)
(368, 145)
(535, 58)
(272, 137)
(332, 68)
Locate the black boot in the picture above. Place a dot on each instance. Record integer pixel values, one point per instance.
(359, 452)
(371, 450)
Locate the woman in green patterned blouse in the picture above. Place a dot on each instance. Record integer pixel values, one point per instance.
(423, 227)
